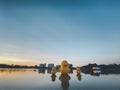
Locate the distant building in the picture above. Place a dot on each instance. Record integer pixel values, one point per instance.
(58, 67)
(70, 66)
(3, 66)
(50, 66)
(42, 66)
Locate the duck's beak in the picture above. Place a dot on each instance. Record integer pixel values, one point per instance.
(65, 65)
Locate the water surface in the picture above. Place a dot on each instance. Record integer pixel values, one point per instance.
(30, 79)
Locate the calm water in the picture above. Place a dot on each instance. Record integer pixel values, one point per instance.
(20, 79)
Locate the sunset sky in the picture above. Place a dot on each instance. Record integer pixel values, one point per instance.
(49, 31)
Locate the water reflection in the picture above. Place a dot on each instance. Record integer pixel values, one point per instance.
(17, 70)
(29, 79)
(49, 71)
(95, 74)
(41, 71)
(71, 71)
(64, 79)
(17, 73)
(53, 77)
(79, 76)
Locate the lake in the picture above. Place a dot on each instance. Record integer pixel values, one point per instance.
(34, 79)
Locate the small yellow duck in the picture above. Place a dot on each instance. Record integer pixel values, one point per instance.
(64, 69)
(53, 71)
(78, 71)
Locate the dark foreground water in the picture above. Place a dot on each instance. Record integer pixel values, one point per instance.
(20, 79)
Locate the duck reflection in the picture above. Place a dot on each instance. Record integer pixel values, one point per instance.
(53, 77)
(79, 77)
(64, 78)
(78, 71)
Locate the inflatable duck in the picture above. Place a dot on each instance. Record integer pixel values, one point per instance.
(78, 71)
(53, 71)
(64, 69)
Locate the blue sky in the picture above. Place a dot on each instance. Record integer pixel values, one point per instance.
(81, 31)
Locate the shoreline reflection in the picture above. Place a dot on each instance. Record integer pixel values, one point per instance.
(48, 71)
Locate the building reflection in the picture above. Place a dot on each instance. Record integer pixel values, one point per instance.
(71, 71)
(96, 71)
(64, 79)
(49, 71)
(41, 71)
(95, 74)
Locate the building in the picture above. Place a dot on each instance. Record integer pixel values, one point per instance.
(70, 66)
(50, 66)
(43, 66)
(58, 66)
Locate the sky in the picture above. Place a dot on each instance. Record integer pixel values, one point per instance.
(49, 31)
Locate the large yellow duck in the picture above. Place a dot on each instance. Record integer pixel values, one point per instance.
(64, 69)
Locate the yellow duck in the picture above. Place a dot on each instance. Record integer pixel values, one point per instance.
(53, 71)
(64, 69)
(78, 71)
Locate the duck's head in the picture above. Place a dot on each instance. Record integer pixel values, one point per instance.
(53, 69)
(64, 63)
(78, 69)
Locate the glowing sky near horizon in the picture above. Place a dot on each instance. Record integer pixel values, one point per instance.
(83, 31)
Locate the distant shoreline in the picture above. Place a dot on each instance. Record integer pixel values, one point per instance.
(89, 66)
